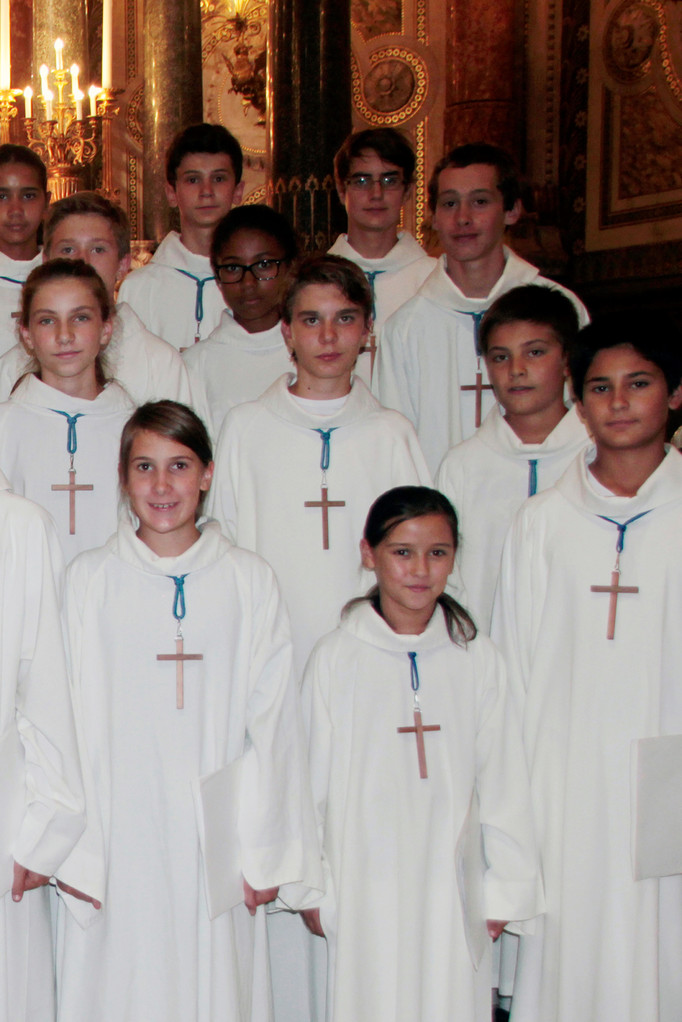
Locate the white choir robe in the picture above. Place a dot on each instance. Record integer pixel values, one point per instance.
(610, 947)
(165, 299)
(13, 273)
(34, 456)
(428, 352)
(487, 479)
(147, 367)
(399, 274)
(392, 911)
(268, 465)
(41, 793)
(152, 953)
(233, 366)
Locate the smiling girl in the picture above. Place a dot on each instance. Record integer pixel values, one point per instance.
(167, 586)
(60, 429)
(427, 836)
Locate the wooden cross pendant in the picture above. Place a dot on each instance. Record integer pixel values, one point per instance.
(419, 730)
(72, 488)
(371, 347)
(179, 656)
(479, 387)
(325, 504)
(614, 589)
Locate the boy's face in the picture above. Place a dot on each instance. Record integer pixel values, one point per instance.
(526, 366)
(470, 217)
(205, 189)
(376, 207)
(625, 400)
(90, 236)
(255, 303)
(326, 333)
(22, 206)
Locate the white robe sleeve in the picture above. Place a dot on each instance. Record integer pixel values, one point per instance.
(276, 822)
(395, 377)
(223, 495)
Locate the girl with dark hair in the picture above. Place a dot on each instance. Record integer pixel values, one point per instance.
(181, 657)
(425, 820)
(60, 428)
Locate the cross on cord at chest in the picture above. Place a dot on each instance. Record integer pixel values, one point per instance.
(419, 728)
(71, 487)
(324, 503)
(179, 609)
(615, 589)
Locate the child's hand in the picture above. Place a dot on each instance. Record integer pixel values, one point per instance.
(78, 894)
(495, 927)
(26, 880)
(311, 917)
(252, 899)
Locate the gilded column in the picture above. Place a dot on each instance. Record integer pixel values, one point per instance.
(173, 97)
(66, 20)
(309, 103)
(484, 76)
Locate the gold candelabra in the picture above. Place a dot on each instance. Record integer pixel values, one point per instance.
(8, 110)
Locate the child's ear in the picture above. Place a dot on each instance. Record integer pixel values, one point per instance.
(107, 330)
(26, 339)
(123, 266)
(288, 336)
(238, 194)
(340, 190)
(171, 197)
(367, 555)
(207, 476)
(675, 399)
(513, 214)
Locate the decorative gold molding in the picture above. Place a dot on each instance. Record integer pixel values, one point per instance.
(417, 68)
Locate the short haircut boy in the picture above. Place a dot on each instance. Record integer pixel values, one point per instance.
(256, 217)
(390, 145)
(480, 152)
(88, 203)
(531, 303)
(203, 138)
(329, 269)
(653, 334)
(10, 153)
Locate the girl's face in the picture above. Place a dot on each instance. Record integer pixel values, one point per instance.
(66, 333)
(255, 304)
(412, 565)
(164, 484)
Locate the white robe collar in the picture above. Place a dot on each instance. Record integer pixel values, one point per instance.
(229, 332)
(279, 401)
(406, 250)
(440, 289)
(171, 252)
(498, 435)
(363, 622)
(662, 487)
(18, 269)
(32, 391)
(206, 551)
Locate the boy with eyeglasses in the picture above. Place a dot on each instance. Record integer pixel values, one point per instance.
(175, 295)
(374, 170)
(251, 251)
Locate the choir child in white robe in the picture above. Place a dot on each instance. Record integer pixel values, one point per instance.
(374, 171)
(526, 440)
(312, 439)
(588, 612)
(60, 429)
(430, 366)
(87, 226)
(426, 826)
(176, 295)
(41, 793)
(251, 251)
(154, 725)
(23, 201)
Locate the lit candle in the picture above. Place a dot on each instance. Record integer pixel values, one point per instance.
(107, 30)
(58, 48)
(75, 71)
(4, 45)
(28, 96)
(93, 93)
(79, 97)
(49, 96)
(44, 71)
